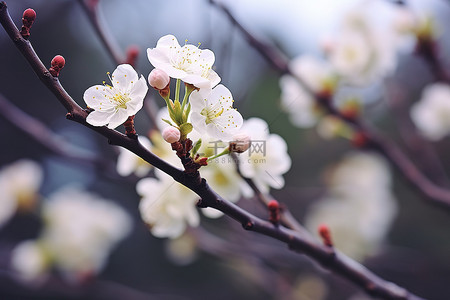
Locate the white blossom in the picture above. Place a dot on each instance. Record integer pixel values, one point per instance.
(361, 51)
(295, 99)
(128, 162)
(81, 230)
(166, 206)
(213, 113)
(431, 114)
(187, 63)
(19, 186)
(359, 207)
(114, 104)
(267, 159)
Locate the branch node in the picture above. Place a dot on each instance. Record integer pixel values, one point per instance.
(129, 127)
(201, 203)
(69, 116)
(248, 225)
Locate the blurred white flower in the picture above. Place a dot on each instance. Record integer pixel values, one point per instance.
(167, 206)
(295, 100)
(187, 63)
(359, 208)
(431, 114)
(182, 250)
(267, 159)
(81, 230)
(317, 74)
(213, 113)
(114, 104)
(30, 261)
(128, 162)
(19, 186)
(361, 51)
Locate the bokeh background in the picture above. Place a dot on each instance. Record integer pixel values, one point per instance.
(416, 252)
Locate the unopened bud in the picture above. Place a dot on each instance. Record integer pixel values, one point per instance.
(132, 54)
(29, 15)
(171, 134)
(274, 210)
(158, 79)
(58, 63)
(240, 143)
(359, 139)
(325, 234)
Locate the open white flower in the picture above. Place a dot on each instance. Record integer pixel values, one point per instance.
(267, 159)
(187, 63)
(432, 113)
(167, 206)
(114, 104)
(128, 162)
(213, 113)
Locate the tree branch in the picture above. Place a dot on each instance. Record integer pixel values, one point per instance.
(436, 194)
(326, 256)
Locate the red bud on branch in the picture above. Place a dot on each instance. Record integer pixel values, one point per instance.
(58, 63)
(274, 210)
(29, 15)
(325, 234)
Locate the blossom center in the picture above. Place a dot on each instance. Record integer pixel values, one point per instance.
(211, 114)
(121, 100)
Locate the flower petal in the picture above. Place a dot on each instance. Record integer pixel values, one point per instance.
(123, 77)
(99, 118)
(118, 118)
(96, 97)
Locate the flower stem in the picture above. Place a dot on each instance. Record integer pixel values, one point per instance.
(177, 90)
(224, 152)
(188, 89)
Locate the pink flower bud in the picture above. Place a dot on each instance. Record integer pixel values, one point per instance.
(158, 79)
(171, 134)
(240, 143)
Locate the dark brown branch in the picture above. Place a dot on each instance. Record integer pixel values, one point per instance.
(436, 194)
(336, 262)
(39, 132)
(110, 44)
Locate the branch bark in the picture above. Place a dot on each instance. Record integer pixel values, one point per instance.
(326, 256)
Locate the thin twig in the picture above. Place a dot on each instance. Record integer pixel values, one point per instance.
(436, 194)
(114, 51)
(327, 257)
(110, 44)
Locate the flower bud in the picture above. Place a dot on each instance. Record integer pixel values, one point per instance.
(29, 15)
(240, 143)
(57, 63)
(158, 79)
(171, 134)
(325, 234)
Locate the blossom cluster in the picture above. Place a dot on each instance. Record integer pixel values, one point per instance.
(357, 56)
(80, 231)
(206, 116)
